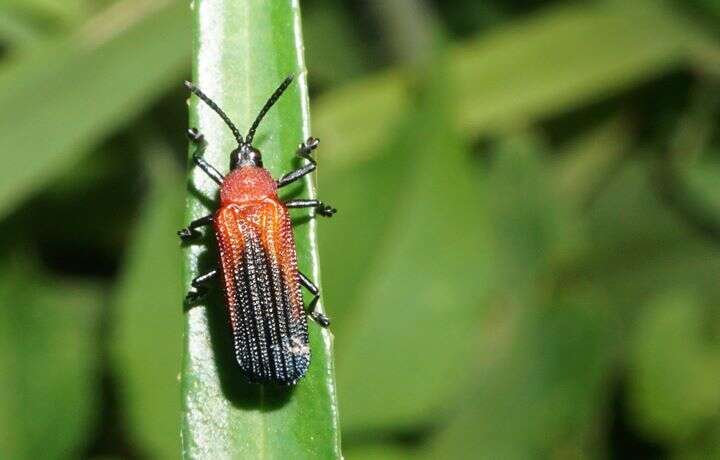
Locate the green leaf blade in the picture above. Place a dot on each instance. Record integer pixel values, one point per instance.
(47, 331)
(411, 280)
(534, 68)
(242, 52)
(64, 98)
(147, 336)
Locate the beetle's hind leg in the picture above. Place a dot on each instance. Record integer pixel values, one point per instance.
(318, 317)
(200, 285)
(200, 145)
(188, 233)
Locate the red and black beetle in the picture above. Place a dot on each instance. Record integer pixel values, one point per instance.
(258, 262)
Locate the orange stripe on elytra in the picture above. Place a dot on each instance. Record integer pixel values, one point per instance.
(257, 252)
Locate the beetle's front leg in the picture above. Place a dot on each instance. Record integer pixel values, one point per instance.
(200, 146)
(304, 151)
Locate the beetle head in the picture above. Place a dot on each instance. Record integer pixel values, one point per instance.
(245, 155)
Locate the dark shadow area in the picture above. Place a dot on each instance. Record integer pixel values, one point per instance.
(623, 440)
(409, 437)
(111, 438)
(301, 220)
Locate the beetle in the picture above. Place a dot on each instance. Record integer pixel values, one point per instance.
(258, 262)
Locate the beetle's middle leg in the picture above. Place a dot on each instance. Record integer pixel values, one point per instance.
(199, 283)
(321, 208)
(190, 232)
(318, 317)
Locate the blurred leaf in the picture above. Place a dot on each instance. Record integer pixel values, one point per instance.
(549, 63)
(48, 15)
(675, 368)
(367, 193)
(224, 415)
(511, 219)
(639, 247)
(532, 229)
(61, 100)
(707, 6)
(47, 363)
(408, 28)
(332, 61)
(15, 31)
(530, 396)
(418, 275)
(588, 161)
(379, 452)
(541, 387)
(148, 330)
(703, 180)
(707, 445)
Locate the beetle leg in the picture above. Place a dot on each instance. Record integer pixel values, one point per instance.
(321, 208)
(189, 232)
(200, 145)
(199, 284)
(295, 175)
(318, 317)
(304, 151)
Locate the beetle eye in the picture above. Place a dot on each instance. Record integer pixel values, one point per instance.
(234, 159)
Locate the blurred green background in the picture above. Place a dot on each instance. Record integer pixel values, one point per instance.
(526, 259)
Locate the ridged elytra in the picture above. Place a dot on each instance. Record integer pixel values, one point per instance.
(258, 262)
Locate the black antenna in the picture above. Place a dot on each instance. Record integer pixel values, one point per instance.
(270, 102)
(218, 110)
